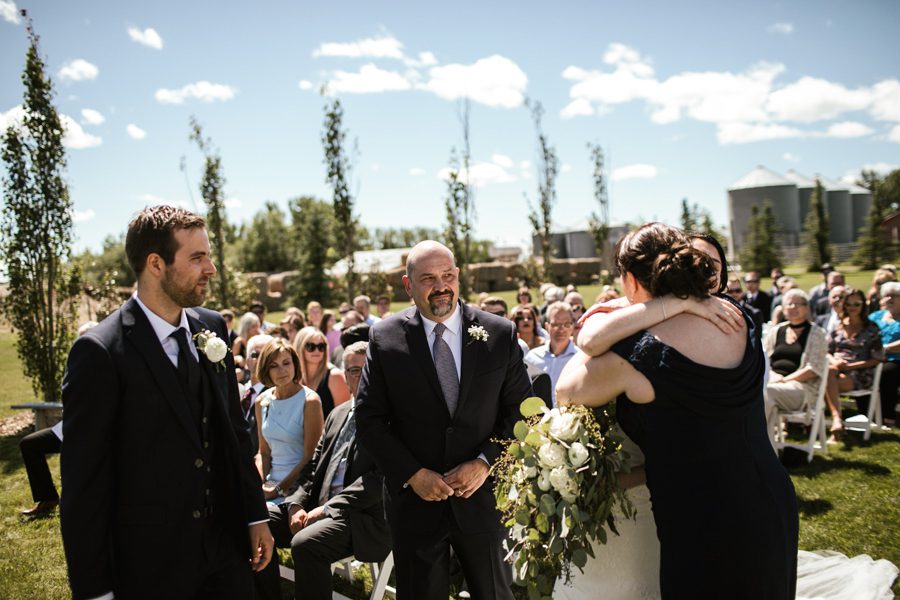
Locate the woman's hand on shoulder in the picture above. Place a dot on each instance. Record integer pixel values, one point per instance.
(718, 311)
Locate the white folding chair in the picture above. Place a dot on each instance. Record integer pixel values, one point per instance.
(867, 422)
(811, 415)
(381, 572)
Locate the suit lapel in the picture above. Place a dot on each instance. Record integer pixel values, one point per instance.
(418, 348)
(141, 335)
(470, 351)
(211, 371)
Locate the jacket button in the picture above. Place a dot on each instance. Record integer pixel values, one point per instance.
(196, 514)
(204, 420)
(198, 463)
(206, 444)
(449, 430)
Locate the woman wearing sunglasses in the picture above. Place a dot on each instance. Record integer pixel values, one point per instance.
(854, 349)
(317, 372)
(524, 316)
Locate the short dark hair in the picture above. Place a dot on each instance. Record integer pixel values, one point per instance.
(152, 231)
(355, 333)
(271, 350)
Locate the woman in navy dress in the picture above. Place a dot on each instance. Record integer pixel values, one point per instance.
(691, 396)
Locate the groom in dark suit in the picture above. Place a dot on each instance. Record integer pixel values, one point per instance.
(442, 381)
(160, 495)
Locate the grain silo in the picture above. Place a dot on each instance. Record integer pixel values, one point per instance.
(805, 187)
(861, 204)
(840, 213)
(754, 188)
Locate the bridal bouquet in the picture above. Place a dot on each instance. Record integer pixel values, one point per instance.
(556, 487)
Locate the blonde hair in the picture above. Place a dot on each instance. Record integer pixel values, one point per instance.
(311, 380)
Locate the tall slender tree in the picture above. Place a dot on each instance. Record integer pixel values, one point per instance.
(599, 223)
(548, 168)
(211, 190)
(36, 232)
(313, 225)
(688, 216)
(874, 247)
(455, 232)
(337, 175)
(761, 252)
(816, 230)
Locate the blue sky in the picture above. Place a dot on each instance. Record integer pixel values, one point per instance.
(685, 98)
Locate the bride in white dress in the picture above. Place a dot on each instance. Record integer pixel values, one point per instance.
(626, 567)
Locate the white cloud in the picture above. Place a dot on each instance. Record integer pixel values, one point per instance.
(78, 70)
(502, 160)
(148, 37)
(377, 47)
(495, 81)
(135, 132)
(848, 129)
(375, 167)
(427, 59)
(305, 84)
(577, 108)
(202, 90)
(154, 200)
(416, 172)
(233, 202)
(882, 168)
(886, 100)
(894, 135)
(790, 157)
(9, 12)
(80, 216)
(76, 137)
(810, 99)
(481, 174)
(566, 168)
(370, 79)
(782, 28)
(90, 116)
(638, 171)
(744, 133)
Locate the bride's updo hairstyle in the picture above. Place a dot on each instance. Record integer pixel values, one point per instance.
(663, 261)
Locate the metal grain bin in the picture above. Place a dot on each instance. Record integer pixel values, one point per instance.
(840, 214)
(754, 188)
(805, 187)
(860, 205)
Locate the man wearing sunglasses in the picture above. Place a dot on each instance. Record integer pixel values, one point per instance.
(442, 383)
(254, 387)
(736, 292)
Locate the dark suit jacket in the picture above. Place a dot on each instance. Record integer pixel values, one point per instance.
(403, 421)
(360, 502)
(822, 321)
(762, 303)
(756, 315)
(131, 468)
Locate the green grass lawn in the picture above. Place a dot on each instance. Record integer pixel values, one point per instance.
(849, 500)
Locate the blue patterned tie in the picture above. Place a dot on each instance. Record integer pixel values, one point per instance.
(446, 369)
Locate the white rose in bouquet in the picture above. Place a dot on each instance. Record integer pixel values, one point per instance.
(551, 455)
(544, 480)
(531, 472)
(560, 480)
(565, 427)
(578, 454)
(216, 349)
(570, 493)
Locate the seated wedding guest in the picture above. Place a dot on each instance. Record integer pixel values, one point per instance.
(553, 355)
(259, 309)
(526, 325)
(755, 297)
(248, 326)
(831, 319)
(797, 359)
(317, 373)
(551, 294)
(254, 386)
(34, 448)
(290, 325)
(313, 313)
(873, 297)
(328, 326)
(228, 315)
(823, 306)
(494, 305)
(383, 306)
(576, 301)
(775, 274)
(854, 349)
(784, 284)
(888, 321)
(820, 291)
(351, 335)
(607, 293)
(337, 509)
(362, 304)
(289, 420)
(736, 292)
(523, 296)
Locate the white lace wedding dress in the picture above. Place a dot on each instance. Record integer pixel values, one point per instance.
(627, 566)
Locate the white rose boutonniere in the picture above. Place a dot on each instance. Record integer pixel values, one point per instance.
(211, 346)
(477, 332)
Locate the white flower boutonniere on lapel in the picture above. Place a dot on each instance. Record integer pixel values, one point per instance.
(212, 346)
(477, 332)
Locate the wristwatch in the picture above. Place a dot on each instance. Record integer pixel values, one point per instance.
(279, 491)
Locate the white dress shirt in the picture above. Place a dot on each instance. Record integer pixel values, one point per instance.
(164, 330)
(542, 359)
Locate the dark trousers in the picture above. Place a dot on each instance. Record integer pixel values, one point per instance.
(35, 447)
(890, 380)
(422, 565)
(313, 548)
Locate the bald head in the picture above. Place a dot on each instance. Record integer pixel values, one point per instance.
(425, 251)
